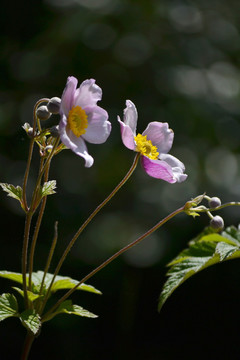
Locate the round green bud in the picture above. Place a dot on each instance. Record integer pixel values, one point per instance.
(43, 113)
(54, 105)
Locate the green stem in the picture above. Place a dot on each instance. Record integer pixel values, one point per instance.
(50, 255)
(29, 216)
(25, 180)
(80, 230)
(28, 220)
(37, 228)
(27, 346)
(232, 203)
(34, 203)
(113, 257)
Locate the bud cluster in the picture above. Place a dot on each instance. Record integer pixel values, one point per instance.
(216, 222)
(45, 111)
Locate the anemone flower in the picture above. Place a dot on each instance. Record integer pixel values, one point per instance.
(153, 145)
(81, 118)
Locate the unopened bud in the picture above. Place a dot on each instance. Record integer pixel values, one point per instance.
(49, 148)
(43, 113)
(54, 105)
(217, 222)
(54, 131)
(214, 202)
(29, 130)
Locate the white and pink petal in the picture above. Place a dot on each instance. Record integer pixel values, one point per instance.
(177, 166)
(76, 144)
(99, 127)
(88, 94)
(127, 135)
(160, 135)
(158, 169)
(130, 116)
(68, 95)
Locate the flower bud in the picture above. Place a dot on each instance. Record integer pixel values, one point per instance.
(214, 202)
(43, 113)
(54, 131)
(217, 222)
(29, 130)
(49, 148)
(54, 105)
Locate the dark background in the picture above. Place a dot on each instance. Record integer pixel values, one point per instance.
(178, 61)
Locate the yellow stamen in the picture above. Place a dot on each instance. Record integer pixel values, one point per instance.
(77, 121)
(145, 147)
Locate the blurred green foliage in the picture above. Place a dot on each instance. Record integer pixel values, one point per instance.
(178, 61)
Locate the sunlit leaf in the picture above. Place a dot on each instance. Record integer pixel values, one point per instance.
(204, 251)
(68, 308)
(68, 283)
(8, 306)
(31, 320)
(14, 276)
(60, 282)
(12, 191)
(31, 295)
(48, 188)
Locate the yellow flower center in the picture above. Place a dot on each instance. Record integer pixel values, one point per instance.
(77, 121)
(145, 147)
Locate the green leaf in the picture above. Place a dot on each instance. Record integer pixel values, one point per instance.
(204, 251)
(48, 188)
(60, 282)
(31, 320)
(8, 306)
(68, 308)
(12, 191)
(31, 295)
(14, 276)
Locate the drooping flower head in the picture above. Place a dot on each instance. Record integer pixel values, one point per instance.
(81, 118)
(153, 144)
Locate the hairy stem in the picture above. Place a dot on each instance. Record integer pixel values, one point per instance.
(37, 228)
(45, 169)
(25, 180)
(113, 257)
(50, 255)
(94, 213)
(28, 220)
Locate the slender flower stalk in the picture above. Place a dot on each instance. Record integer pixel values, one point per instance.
(28, 221)
(231, 203)
(50, 255)
(34, 204)
(25, 180)
(37, 228)
(80, 230)
(113, 257)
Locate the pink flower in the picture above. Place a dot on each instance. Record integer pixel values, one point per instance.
(81, 118)
(153, 144)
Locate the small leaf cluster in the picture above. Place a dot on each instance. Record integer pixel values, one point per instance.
(208, 249)
(31, 318)
(16, 192)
